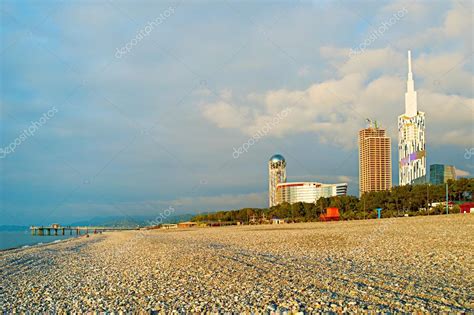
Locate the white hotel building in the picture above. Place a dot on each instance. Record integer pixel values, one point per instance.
(308, 192)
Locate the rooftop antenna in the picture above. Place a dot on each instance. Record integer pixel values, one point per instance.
(410, 74)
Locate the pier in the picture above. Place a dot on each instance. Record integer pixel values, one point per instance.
(56, 229)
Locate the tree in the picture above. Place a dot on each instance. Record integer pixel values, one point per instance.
(398, 201)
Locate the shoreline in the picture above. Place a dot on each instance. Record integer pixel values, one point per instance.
(42, 244)
(251, 226)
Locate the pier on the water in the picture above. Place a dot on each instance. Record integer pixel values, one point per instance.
(56, 229)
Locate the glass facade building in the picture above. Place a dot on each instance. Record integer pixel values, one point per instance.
(440, 173)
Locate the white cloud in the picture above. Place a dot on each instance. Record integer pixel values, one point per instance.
(458, 21)
(224, 115)
(455, 28)
(369, 86)
(445, 73)
(384, 60)
(226, 94)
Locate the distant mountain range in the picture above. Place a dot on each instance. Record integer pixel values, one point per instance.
(132, 222)
(115, 221)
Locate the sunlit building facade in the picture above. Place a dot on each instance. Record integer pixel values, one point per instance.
(411, 138)
(375, 160)
(276, 175)
(308, 192)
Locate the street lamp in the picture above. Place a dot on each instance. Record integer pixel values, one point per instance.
(447, 212)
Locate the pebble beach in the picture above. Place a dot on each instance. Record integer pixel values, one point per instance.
(419, 264)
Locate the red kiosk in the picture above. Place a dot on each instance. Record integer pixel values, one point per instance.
(332, 214)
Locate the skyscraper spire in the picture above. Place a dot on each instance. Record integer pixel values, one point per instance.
(410, 96)
(410, 75)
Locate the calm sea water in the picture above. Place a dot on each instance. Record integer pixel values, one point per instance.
(14, 239)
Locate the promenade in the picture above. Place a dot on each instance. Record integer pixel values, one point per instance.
(402, 264)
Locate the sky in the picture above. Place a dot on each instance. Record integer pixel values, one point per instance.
(128, 108)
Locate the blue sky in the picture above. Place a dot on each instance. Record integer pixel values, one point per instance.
(157, 126)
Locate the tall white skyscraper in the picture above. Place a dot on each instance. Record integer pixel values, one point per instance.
(276, 175)
(411, 137)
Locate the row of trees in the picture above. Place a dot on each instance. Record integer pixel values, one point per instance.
(401, 200)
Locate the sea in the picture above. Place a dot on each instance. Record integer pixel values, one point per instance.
(23, 238)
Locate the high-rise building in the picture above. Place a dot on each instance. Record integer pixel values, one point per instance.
(375, 162)
(411, 138)
(276, 175)
(308, 192)
(440, 173)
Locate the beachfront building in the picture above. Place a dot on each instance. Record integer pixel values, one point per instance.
(308, 192)
(375, 161)
(167, 226)
(467, 207)
(440, 173)
(277, 221)
(276, 175)
(332, 214)
(188, 224)
(411, 137)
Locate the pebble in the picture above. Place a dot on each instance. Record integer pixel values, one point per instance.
(349, 266)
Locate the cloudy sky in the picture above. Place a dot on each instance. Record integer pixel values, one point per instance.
(131, 107)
